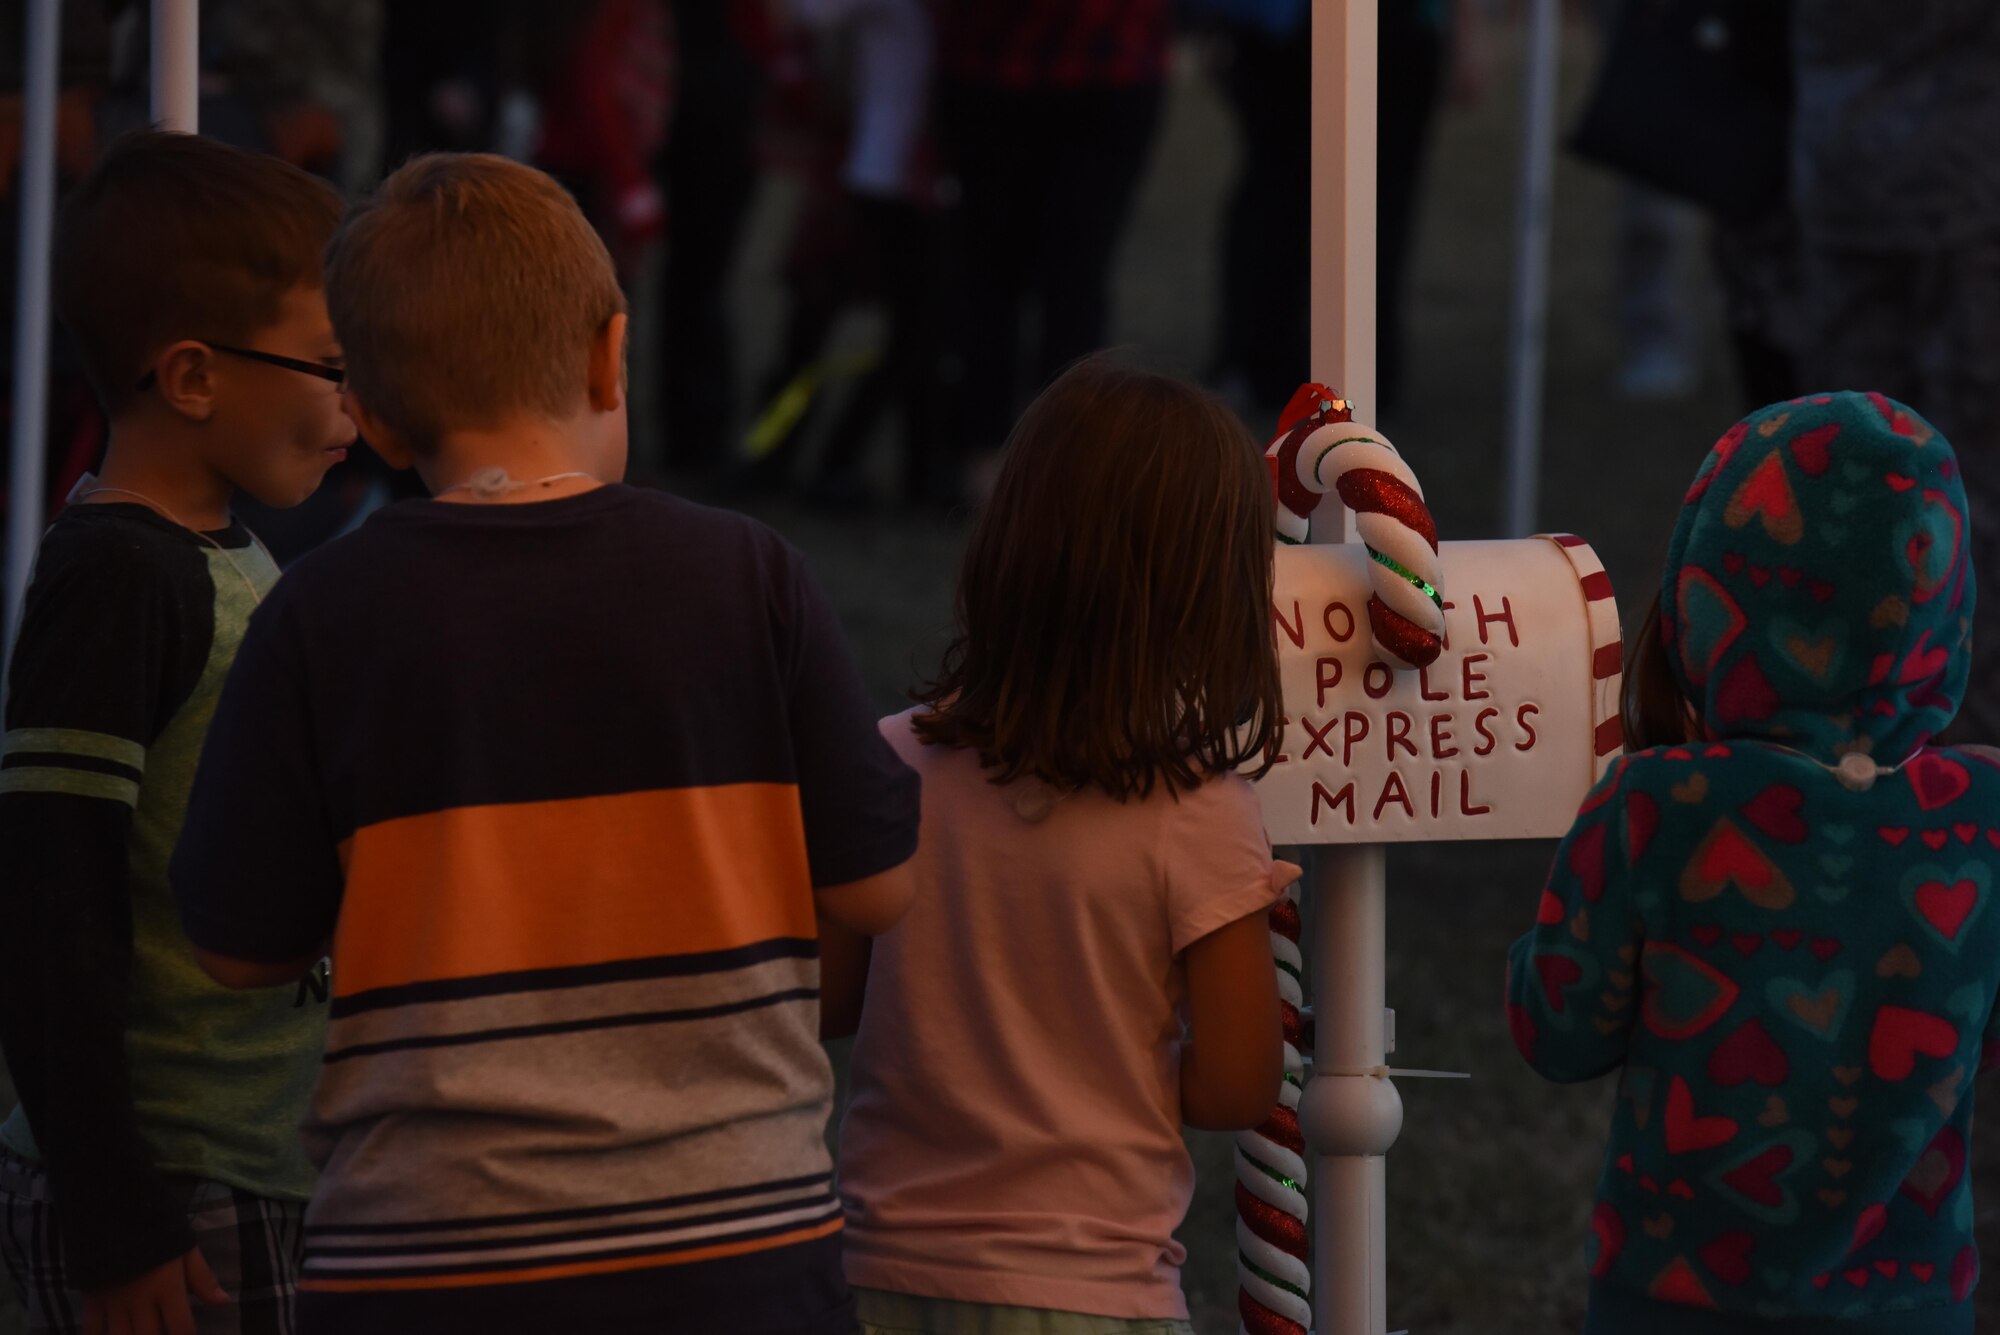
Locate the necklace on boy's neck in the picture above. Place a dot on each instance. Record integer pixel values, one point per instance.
(88, 486)
(490, 484)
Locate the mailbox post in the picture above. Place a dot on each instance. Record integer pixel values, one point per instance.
(1374, 756)
(1499, 738)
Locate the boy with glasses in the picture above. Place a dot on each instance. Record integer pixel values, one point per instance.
(154, 1157)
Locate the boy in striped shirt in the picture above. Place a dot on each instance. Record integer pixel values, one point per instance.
(566, 772)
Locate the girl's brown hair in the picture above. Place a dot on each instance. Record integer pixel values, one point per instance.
(1114, 602)
(1655, 708)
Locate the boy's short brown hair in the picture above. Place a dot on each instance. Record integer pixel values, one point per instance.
(467, 292)
(174, 236)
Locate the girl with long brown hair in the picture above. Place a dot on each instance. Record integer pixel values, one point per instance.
(1087, 966)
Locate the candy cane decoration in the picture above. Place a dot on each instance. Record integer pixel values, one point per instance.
(1273, 1275)
(1321, 449)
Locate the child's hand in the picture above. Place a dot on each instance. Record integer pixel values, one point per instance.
(155, 1303)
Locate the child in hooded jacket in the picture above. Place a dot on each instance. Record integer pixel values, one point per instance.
(1772, 917)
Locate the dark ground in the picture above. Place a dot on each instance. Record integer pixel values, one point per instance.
(1490, 1185)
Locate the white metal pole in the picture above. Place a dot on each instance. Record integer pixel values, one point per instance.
(1349, 1118)
(1344, 38)
(176, 65)
(25, 480)
(1527, 323)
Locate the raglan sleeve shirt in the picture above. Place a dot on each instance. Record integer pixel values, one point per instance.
(257, 872)
(109, 647)
(1573, 982)
(858, 800)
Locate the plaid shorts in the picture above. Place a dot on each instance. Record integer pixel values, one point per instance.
(251, 1243)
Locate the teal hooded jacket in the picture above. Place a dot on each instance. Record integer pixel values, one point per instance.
(1781, 934)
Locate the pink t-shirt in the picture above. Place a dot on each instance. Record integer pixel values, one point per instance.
(1013, 1133)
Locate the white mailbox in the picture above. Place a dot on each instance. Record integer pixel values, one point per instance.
(1500, 738)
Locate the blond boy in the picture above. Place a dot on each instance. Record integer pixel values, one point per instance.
(565, 771)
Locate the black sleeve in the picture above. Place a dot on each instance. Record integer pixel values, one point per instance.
(112, 640)
(257, 870)
(858, 798)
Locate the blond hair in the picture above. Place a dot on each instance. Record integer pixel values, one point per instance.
(466, 294)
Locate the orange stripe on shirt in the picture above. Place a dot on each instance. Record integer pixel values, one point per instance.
(536, 885)
(714, 1253)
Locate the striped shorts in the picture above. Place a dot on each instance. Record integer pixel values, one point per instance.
(253, 1245)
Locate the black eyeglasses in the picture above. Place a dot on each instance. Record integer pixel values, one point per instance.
(337, 374)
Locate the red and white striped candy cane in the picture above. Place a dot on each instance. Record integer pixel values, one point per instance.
(1320, 449)
(1273, 1269)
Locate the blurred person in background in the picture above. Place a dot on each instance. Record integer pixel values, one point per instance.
(869, 232)
(1659, 244)
(299, 79)
(708, 174)
(1429, 49)
(1049, 109)
(1692, 109)
(456, 79)
(603, 98)
(1896, 188)
(1757, 263)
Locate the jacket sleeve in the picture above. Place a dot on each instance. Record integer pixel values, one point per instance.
(102, 659)
(1573, 981)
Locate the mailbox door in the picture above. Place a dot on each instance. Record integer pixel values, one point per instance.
(1500, 738)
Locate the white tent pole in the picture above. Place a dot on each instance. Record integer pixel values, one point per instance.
(1350, 1119)
(176, 65)
(25, 479)
(1527, 321)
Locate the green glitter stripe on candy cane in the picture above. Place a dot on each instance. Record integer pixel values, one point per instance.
(1269, 1278)
(1272, 1173)
(1415, 580)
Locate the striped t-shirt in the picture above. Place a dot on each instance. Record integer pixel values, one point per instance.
(557, 780)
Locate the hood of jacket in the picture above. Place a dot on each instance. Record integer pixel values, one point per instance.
(1818, 590)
